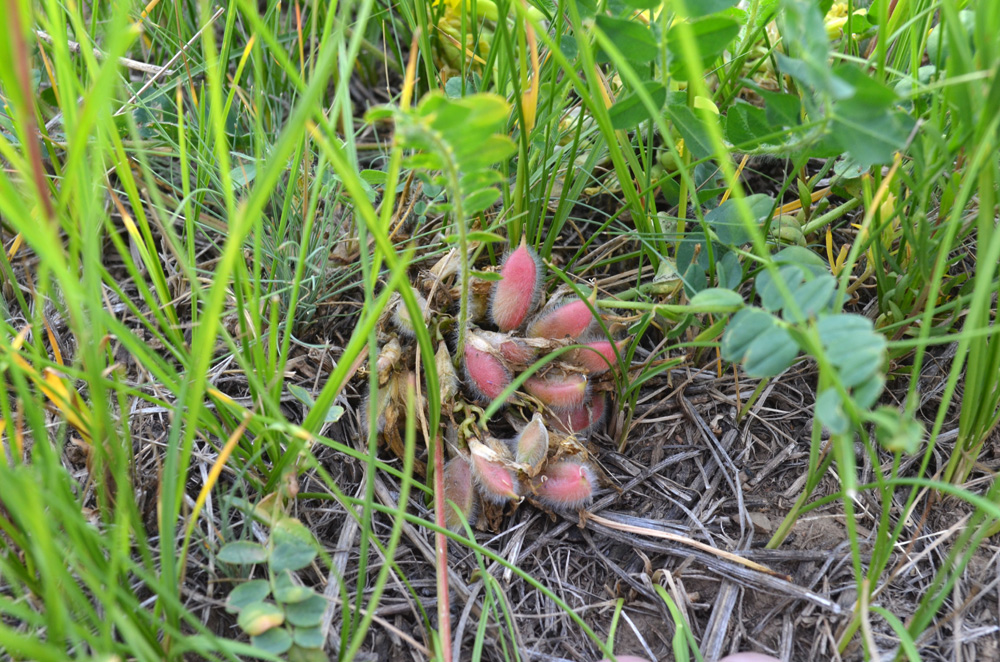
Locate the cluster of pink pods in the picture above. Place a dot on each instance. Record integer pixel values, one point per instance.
(549, 468)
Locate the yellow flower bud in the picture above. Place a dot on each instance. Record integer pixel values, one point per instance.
(836, 19)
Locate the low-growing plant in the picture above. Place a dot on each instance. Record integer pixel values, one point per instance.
(187, 191)
(278, 613)
(555, 354)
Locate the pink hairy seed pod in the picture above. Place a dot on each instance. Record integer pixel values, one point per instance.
(559, 391)
(567, 484)
(517, 292)
(598, 356)
(486, 374)
(582, 418)
(495, 481)
(571, 320)
(514, 350)
(458, 489)
(532, 445)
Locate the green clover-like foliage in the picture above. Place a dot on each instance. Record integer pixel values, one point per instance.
(769, 338)
(280, 615)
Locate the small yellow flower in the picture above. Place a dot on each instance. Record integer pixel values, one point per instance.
(836, 19)
(484, 8)
(454, 46)
(704, 103)
(888, 206)
(836, 262)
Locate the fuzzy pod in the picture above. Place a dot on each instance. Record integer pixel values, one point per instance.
(390, 401)
(569, 320)
(519, 351)
(496, 482)
(401, 315)
(531, 446)
(447, 377)
(568, 484)
(559, 391)
(389, 356)
(516, 293)
(581, 419)
(480, 292)
(486, 374)
(516, 350)
(458, 489)
(380, 403)
(597, 356)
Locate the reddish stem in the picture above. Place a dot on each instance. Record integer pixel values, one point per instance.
(441, 553)
(19, 51)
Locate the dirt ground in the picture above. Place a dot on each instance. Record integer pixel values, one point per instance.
(689, 468)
